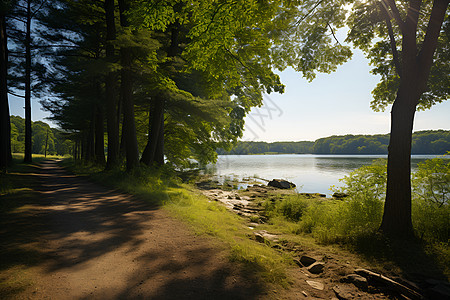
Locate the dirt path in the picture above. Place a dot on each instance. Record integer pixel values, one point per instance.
(96, 243)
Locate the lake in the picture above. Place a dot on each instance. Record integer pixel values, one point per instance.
(311, 173)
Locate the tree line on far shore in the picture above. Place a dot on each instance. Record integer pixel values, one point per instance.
(423, 142)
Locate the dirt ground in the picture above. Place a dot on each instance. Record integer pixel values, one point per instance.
(94, 243)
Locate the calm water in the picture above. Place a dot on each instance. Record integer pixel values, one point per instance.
(311, 173)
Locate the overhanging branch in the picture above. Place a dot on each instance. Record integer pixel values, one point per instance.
(393, 43)
(395, 13)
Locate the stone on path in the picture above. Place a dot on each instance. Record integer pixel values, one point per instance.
(316, 285)
(316, 268)
(359, 281)
(307, 261)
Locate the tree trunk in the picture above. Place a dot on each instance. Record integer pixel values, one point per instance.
(397, 209)
(110, 83)
(159, 152)
(130, 139)
(28, 141)
(156, 120)
(99, 136)
(415, 69)
(5, 127)
(90, 140)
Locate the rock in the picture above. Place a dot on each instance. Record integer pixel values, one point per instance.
(316, 285)
(304, 294)
(339, 195)
(359, 281)
(316, 268)
(281, 184)
(341, 293)
(259, 238)
(307, 261)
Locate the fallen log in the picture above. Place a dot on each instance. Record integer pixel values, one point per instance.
(392, 284)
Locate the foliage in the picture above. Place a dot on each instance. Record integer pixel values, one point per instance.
(356, 215)
(431, 193)
(370, 33)
(58, 142)
(359, 214)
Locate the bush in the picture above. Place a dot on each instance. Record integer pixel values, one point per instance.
(357, 215)
(430, 205)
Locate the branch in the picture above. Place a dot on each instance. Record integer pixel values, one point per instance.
(14, 94)
(412, 16)
(392, 41)
(395, 13)
(308, 14)
(433, 30)
(332, 32)
(36, 11)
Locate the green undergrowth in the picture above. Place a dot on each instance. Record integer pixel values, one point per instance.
(353, 222)
(205, 217)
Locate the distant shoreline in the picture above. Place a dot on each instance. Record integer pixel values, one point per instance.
(334, 154)
(428, 142)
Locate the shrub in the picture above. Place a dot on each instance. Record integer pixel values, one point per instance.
(357, 215)
(430, 205)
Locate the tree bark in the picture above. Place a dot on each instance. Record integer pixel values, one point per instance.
(156, 130)
(397, 209)
(159, 152)
(110, 84)
(28, 133)
(90, 140)
(130, 139)
(99, 136)
(5, 127)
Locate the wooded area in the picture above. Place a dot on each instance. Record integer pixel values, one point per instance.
(423, 142)
(171, 81)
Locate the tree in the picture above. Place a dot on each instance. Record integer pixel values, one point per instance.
(408, 43)
(25, 65)
(5, 127)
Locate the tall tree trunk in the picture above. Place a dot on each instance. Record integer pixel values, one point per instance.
(99, 136)
(90, 140)
(397, 208)
(415, 69)
(159, 152)
(131, 146)
(5, 127)
(110, 84)
(28, 140)
(156, 120)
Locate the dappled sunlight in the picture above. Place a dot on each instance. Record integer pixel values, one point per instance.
(93, 242)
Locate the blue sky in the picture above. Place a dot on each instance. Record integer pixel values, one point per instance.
(332, 104)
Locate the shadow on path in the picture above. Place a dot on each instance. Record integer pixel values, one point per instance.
(90, 242)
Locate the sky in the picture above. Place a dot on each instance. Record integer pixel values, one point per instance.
(332, 104)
